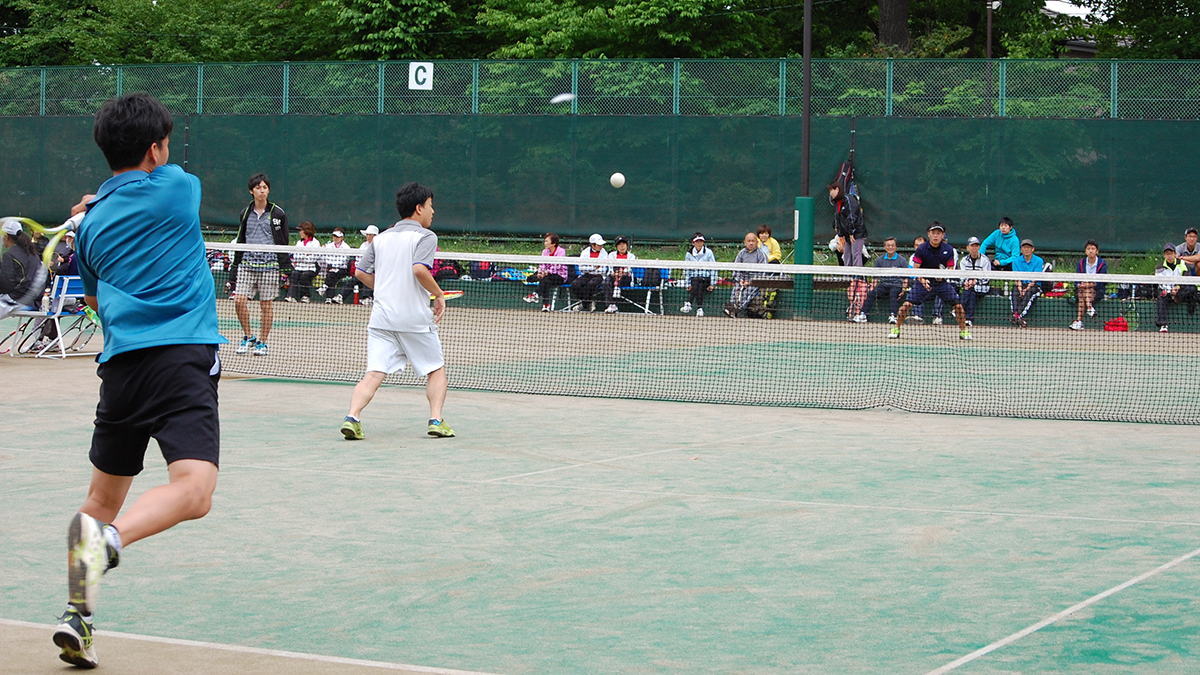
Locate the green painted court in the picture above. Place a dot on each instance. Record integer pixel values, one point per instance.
(571, 535)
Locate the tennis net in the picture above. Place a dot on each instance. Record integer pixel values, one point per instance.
(809, 336)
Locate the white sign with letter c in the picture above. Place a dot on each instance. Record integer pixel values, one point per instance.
(420, 75)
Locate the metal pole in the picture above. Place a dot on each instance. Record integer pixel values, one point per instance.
(806, 98)
(989, 31)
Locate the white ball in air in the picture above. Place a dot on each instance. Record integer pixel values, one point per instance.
(617, 179)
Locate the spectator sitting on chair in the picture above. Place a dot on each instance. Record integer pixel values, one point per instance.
(766, 241)
(587, 285)
(700, 282)
(744, 291)
(932, 255)
(1172, 266)
(65, 261)
(848, 224)
(1004, 239)
(337, 269)
(22, 275)
(1026, 291)
(890, 287)
(304, 265)
(257, 272)
(618, 275)
(1189, 250)
(973, 289)
(365, 293)
(548, 277)
(1088, 292)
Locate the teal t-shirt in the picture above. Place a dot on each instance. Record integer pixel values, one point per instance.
(142, 255)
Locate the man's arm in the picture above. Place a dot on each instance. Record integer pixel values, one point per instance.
(425, 278)
(366, 277)
(90, 300)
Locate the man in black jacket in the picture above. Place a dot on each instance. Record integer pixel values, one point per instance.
(264, 223)
(848, 225)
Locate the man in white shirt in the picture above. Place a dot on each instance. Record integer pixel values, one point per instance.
(337, 269)
(403, 327)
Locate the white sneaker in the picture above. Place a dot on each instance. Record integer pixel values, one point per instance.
(859, 318)
(1077, 325)
(367, 301)
(531, 298)
(1163, 329)
(891, 318)
(970, 323)
(591, 306)
(305, 298)
(687, 307)
(337, 299)
(937, 320)
(700, 311)
(611, 309)
(577, 307)
(290, 299)
(1091, 311)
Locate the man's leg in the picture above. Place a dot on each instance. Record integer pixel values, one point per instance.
(968, 303)
(364, 391)
(268, 316)
(187, 496)
(243, 312)
(894, 294)
(436, 385)
(903, 313)
(1164, 297)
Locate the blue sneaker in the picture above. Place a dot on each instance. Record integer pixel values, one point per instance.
(248, 341)
(260, 348)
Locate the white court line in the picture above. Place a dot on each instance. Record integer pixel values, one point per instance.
(642, 454)
(384, 665)
(1061, 615)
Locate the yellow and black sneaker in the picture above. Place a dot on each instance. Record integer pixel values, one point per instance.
(74, 636)
(440, 429)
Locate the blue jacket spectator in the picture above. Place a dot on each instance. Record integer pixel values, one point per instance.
(1005, 241)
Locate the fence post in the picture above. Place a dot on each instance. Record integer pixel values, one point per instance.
(42, 95)
(120, 84)
(888, 91)
(1003, 87)
(782, 87)
(675, 89)
(379, 101)
(287, 85)
(575, 86)
(200, 89)
(1112, 89)
(475, 86)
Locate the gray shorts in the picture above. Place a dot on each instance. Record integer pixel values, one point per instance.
(261, 280)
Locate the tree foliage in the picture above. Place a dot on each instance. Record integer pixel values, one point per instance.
(70, 32)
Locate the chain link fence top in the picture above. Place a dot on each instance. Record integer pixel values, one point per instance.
(1048, 88)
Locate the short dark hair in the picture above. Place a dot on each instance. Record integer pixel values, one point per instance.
(889, 239)
(1006, 221)
(1092, 242)
(307, 227)
(410, 196)
(834, 184)
(127, 126)
(256, 179)
(553, 238)
(764, 228)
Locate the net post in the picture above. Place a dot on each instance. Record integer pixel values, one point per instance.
(805, 215)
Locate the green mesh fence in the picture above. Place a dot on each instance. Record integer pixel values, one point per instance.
(1062, 181)
(791, 344)
(851, 87)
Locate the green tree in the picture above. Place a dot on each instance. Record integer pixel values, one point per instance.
(406, 29)
(1149, 29)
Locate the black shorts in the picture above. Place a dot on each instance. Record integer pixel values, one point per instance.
(167, 393)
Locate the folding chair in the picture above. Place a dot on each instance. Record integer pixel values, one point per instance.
(74, 328)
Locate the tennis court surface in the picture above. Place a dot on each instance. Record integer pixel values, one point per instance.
(574, 535)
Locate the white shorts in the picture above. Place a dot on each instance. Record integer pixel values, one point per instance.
(389, 350)
(264, 281)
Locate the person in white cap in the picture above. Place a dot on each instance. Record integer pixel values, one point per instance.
(587, 285)
(337, 269)
(22, 275)
(64, 257)
(700, 282)
(973, 289)
(365, 292)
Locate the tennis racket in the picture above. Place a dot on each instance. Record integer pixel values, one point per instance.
(449, 295)
(56, 233)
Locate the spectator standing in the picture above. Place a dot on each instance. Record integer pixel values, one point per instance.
(744, 291)
(932, 255)
(1087, 292)
(337, 268)
(1189, 250)
(587, 285)
(263, 223)
(1172, 266)
(700, 282)
(618, 275)
(1027, 291)
(848, 224)
(22, 275)
(365, 292)
(769, 244)
(549, 276)
(973, 289)
(304, 265)
(890, 287)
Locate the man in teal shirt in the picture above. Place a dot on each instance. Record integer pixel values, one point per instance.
(1026, 291)
(141, 258)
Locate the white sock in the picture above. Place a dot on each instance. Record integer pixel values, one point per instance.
(113, 537)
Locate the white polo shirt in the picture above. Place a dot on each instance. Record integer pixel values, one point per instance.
(401, 304)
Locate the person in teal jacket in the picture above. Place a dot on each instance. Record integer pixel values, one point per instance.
(1005, 240)
(1026, 290)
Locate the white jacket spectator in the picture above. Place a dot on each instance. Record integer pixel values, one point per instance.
(306, 262)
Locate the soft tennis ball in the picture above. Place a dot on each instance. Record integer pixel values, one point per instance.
(617, 179)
